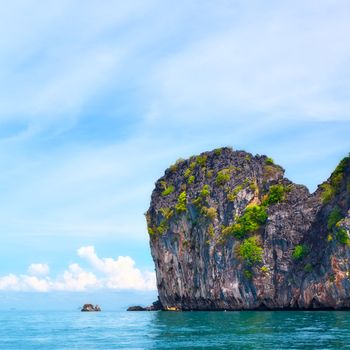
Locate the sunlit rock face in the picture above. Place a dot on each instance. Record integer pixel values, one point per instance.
(228, 232)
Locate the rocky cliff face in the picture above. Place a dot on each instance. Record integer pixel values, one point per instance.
(229, 231)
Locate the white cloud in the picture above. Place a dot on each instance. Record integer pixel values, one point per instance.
(108, 273)
(28, 283)
(24, 283)
(120, 272)
(9, 282)
(76, 279)
(38, 269)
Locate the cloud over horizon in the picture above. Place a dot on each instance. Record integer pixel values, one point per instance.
(107, 273)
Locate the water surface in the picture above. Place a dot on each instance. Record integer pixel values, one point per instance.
(174, 330)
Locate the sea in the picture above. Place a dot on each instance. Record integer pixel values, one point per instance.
(174, 330)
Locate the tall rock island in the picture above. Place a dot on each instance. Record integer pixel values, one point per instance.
(229, 232)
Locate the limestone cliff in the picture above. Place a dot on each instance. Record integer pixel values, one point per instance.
(229, 231)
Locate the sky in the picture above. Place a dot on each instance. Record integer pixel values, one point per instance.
(97, 99)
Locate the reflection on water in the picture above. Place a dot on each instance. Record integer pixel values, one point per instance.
(252, 330)
(175, 330)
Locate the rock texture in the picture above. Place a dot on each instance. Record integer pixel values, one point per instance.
(229, 232)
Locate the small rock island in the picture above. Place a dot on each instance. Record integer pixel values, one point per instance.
(90, 308)
(229, 232)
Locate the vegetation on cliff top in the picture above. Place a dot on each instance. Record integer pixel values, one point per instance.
(250, 250)
(335, 218)
(300, 251)
(253, 217)
(223, 176)
(167, 189)
(200, 170)
(276, 194)
(332, 187)
(181, 202)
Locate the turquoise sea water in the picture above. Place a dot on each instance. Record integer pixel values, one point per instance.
(174, 330)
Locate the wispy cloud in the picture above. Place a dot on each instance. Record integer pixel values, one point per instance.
(274, 63)
(107, 273)
(57, 57)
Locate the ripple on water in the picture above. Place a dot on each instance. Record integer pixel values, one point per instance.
(174, 330)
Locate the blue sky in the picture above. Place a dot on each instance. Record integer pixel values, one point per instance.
(98, 98)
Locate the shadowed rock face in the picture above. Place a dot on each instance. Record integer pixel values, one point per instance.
(229, 231)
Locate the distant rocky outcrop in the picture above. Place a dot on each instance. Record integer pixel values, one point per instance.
(90, 308)
(156, 306)
(229, 232)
